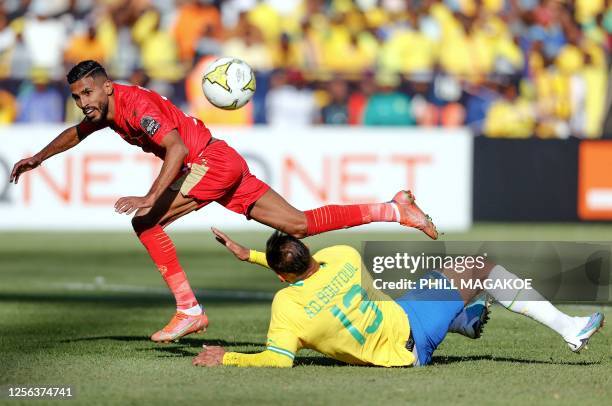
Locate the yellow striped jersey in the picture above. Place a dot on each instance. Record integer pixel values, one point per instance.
(332, 313)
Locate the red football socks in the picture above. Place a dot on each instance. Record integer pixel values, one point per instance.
(334, 217)
(162, 251)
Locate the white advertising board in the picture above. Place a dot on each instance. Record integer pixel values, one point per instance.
(311, 167)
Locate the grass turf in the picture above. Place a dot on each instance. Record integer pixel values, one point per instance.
(76, 309)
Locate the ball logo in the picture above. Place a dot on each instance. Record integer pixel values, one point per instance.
(251, 85)
(219, 76)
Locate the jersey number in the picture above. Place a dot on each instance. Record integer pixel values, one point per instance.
(365, 305)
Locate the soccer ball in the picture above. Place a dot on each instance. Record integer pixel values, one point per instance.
(228, 83)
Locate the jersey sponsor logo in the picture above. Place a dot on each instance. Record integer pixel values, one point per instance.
(149, 125)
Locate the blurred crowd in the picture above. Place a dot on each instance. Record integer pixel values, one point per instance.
(505, 68)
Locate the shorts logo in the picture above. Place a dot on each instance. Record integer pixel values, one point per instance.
(149, 125)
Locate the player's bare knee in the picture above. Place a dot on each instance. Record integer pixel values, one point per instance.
(142, 223)
(298, 229)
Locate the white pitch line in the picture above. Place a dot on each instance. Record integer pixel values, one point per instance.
(213, 294)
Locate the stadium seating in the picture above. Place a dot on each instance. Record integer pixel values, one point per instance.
(505, 68)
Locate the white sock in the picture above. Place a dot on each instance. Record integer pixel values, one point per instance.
(398, 216)
(537, 308)
(192, 311)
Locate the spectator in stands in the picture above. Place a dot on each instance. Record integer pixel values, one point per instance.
(8, 107)
(195, 19)
(509, 116)
(430, 109)
(348, 52)
(114, 24)
(288, 102)
(139, 78)
(466, 51)
(388, 106)
(208, 44)
(287, 54)
(593, 80)
(20, 58)
(158, 50)
(424, 111)
(38, 101)
(84, 46)
(17, 9)
(336, 111)
(246, 42)
(480, 97)
(45, 38)
(411, 49)
(547, 27)
(267, 20)
(7, 43)
(358, 99)
(308, 46)
(560, 47)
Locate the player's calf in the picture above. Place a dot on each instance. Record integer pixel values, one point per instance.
(273, 210)
(575, 331)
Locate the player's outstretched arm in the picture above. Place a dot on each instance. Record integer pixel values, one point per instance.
(240, 252)
(66, 140)
(213, 356)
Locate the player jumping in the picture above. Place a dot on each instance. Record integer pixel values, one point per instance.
(197, 169)
(327, 309)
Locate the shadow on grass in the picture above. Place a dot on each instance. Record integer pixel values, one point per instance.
(318, 361)
(451, 359)
(299, 361)
(184, 342)
(184, 348)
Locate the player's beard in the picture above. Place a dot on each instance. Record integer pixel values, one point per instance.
(103, 109)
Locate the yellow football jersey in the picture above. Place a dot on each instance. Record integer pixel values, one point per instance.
(332, 313)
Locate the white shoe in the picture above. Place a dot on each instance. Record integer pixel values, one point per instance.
(581, 339)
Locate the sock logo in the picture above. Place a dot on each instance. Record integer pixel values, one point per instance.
(162, 269)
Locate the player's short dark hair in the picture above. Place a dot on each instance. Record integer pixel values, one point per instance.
(287, 254)
(84, 69)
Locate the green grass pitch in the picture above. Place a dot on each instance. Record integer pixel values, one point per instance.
(77, 309)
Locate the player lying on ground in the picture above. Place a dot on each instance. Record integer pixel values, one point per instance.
(197, 169)
(325, 308)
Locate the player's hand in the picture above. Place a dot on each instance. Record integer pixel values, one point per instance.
(130, 204)
(238, 250)
(22, 166)
(211, 356)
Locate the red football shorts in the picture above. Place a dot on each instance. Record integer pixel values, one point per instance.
(223, 176)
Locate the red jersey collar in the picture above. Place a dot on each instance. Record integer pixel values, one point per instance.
(118, 95)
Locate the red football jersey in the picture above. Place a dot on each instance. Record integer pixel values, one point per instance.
(143, 118)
